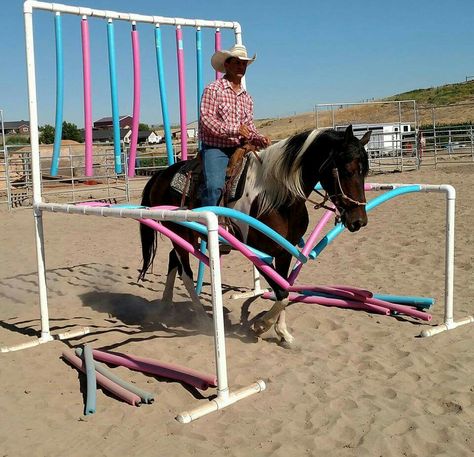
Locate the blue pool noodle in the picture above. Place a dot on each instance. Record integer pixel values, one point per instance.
(58, 132)
(114, 96)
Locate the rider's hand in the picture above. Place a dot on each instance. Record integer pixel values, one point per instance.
(244, 131)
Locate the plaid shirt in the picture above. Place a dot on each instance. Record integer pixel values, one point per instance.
(222, 112)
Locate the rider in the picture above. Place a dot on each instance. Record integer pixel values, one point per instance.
(226, 120)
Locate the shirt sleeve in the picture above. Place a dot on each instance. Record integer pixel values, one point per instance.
(211, 123)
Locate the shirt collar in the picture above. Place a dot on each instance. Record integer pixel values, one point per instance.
(227, 85)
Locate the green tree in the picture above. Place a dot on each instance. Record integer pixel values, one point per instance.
(71, 132)
(144, 127)
(46, 134)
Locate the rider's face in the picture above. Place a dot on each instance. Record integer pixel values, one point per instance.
(235, 67)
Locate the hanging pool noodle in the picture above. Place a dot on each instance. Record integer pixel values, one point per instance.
(200, 89)
(200, 84)
(136, 102)
(182, 93)
(163, 96)
(58, 129)
(86, 65)
(114, 96)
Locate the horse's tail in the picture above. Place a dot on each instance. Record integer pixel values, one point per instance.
(147, 234)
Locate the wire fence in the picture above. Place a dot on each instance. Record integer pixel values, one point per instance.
(71, 185)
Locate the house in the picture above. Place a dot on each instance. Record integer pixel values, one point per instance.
(107, 136)
(125, 122)
(17, 128)
(191, 130)
(146, 137)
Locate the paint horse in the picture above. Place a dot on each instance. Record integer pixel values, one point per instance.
(275, 192)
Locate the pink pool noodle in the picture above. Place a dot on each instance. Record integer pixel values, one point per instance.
(341, 303)
(136, 102)
(86, 66)
(217, 47)
(166, 370)
(106, 383)
(182, 93)
(359, 295)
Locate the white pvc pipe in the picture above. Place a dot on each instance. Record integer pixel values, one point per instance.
(36, 175)
(105, 14)
(221, 402)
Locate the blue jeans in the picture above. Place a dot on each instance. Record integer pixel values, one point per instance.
(214, 165)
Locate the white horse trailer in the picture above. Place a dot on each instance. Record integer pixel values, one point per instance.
(386, 140)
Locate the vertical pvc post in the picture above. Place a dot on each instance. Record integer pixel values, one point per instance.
(58, 126)
(217, 308)
(86, 66)
(449, 260)
(136, 101)
(36, 174)
(114, 96)
(218, 47)
(163, 96)
(182, 93)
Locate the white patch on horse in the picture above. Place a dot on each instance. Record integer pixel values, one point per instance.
(270, 182)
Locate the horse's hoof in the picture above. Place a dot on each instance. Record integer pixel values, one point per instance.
(260, 327)
(286, 344)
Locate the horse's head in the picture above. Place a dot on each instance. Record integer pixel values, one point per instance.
(342, 176)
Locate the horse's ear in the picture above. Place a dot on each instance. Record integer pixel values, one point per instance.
(348, 135)
(365, 139)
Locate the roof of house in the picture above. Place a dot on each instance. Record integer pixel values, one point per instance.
(108, 133)
(110, 119)
(15, 124)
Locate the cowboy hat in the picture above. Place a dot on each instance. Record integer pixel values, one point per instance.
(238, 51)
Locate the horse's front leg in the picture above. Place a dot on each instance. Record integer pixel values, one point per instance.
(276, 315)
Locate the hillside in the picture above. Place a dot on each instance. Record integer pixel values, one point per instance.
(449, 104)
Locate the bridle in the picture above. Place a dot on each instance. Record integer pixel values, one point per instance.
(338, 194)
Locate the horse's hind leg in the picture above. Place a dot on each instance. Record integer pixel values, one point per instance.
(187, 278)
(276, 315)
(281, 329)
(174, 266)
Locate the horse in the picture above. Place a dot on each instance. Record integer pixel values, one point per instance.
(275, 192)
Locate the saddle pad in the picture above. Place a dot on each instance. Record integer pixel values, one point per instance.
(180, 180)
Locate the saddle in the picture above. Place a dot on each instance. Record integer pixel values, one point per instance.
(188, 179)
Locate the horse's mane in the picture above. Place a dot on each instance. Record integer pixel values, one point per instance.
(278, 180)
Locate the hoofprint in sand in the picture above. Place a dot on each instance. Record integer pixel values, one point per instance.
(356, 383)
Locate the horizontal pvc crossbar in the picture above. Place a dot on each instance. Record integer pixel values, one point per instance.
(106, 14)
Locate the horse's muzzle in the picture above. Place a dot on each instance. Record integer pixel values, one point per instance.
(354, 222)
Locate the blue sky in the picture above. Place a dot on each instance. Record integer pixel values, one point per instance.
(308, 51)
